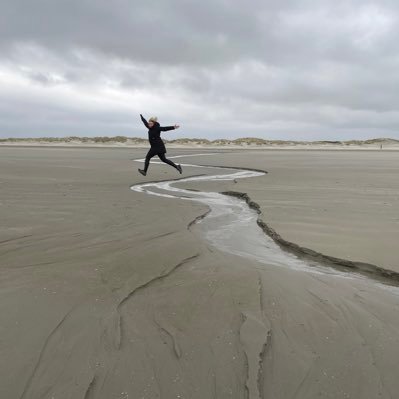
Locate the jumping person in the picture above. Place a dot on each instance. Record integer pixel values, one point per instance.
(157, 145)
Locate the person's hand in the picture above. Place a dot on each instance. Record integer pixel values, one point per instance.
(177, 126)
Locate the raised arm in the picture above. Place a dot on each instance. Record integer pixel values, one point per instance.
(144, 121)
(166, 128)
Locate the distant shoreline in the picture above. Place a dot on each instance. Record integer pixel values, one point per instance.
(241, 143)
(171, 147)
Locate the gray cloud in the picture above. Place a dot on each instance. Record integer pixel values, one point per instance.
(287, 69)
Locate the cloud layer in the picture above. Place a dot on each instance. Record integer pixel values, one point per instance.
(288, 69)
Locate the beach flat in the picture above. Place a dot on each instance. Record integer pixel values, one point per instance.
(109, 292)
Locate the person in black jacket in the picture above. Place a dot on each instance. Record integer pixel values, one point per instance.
(157, 145)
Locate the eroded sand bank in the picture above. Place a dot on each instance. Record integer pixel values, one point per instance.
(107, 293)
(342, 204)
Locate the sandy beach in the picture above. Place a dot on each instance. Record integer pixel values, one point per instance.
(107, 292)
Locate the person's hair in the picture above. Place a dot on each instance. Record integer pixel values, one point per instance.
(153, 119)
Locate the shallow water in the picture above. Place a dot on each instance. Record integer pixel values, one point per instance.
(231, 225)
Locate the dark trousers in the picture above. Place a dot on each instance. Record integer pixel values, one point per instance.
(151, 153)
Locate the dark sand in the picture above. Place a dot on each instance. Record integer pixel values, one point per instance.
(105, 293)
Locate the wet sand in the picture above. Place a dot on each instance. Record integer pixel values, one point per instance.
(107, 293)
(341, 204)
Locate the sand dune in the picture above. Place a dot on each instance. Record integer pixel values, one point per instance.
(189, 143)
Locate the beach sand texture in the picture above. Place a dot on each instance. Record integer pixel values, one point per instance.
(108, 293)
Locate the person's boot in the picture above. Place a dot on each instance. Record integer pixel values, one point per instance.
(179, 168)
(143, 172)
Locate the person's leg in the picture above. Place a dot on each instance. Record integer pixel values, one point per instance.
(149, 155)
(169, 162)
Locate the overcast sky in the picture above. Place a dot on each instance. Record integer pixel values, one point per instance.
(294, 69)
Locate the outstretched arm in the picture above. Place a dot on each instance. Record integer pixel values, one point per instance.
(166, 128)
(144, 121)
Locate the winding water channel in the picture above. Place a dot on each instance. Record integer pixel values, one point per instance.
(231, 225)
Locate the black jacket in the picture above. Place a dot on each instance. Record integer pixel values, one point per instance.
(154, 135)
